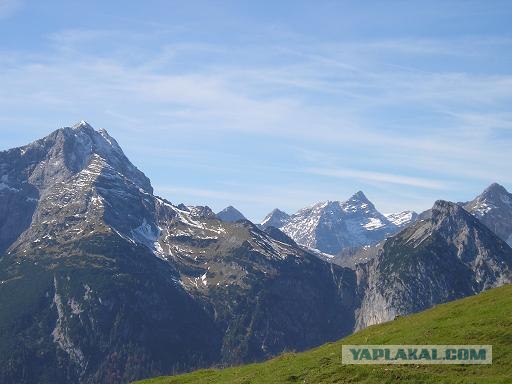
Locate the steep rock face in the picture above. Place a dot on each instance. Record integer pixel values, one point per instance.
(57, 176)
(276, 218)
(446, 256)
(102, 282)
(230, 214)
(494, 208)
(333, 226)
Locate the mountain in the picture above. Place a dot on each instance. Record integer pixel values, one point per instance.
(333, 225)
(101, 281)
(444, 257)
(476, 320)
(230, 214)
(350, 257)
(402, 219)
(276, 218)
(83, 298)
(494, 208)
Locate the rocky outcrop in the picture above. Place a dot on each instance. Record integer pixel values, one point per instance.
(442, 258)
(494, 208)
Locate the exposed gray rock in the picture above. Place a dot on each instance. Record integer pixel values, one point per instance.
(276, 218)
(230, 214)
(494, 208)
(447, 256)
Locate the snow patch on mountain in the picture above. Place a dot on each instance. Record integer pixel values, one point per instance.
(494, 208)
(332, 226)
(374, 223)
(402, 219)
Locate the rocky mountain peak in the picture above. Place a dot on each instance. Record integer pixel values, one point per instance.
(443, 207)
(494, 190)
(70, 150)
(449, 251)
(278, 212)
(230, 214)
(276, 218)
(83, 125)
(332, 226)
(450, 218)
(494, 208)
(448, 221)
(494, 196)
(359, 196)
(357, 202)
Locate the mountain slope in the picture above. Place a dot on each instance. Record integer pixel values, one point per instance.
(333, 226)
(103, 282)
(481, 319)
(494, 208)
(445, 257)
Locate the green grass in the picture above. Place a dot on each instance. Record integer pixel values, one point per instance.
(482, 319)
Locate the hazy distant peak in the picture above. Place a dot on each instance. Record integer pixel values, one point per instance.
(230, 214)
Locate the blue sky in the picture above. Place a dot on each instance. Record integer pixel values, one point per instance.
(264, 104)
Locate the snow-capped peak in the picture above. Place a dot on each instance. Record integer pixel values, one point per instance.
(331, 226)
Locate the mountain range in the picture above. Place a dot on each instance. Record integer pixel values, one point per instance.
(334, 226)
(101, 281)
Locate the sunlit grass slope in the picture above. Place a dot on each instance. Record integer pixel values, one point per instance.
(482, 319)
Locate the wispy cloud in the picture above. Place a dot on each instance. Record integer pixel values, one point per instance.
(378, 177)
(364, 110)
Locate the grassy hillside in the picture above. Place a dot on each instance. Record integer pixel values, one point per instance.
(481, 319)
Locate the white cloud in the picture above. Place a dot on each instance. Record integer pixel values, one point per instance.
(344, 98)
(378, 177)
